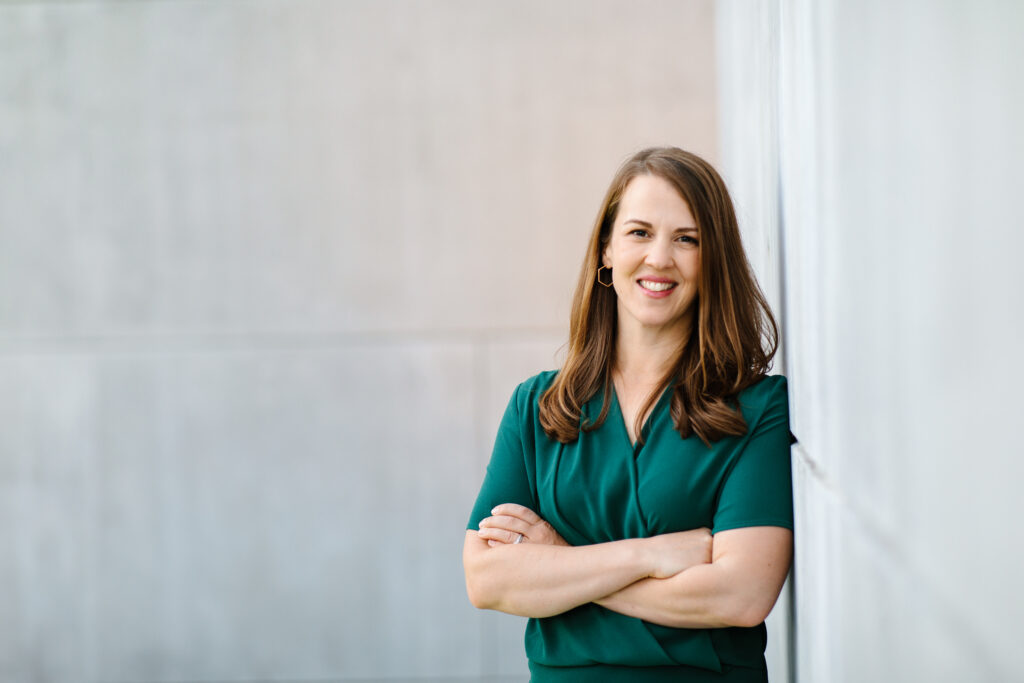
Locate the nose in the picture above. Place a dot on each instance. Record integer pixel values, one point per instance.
(659, 255)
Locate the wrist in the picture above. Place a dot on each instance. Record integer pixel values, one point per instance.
(641, 557)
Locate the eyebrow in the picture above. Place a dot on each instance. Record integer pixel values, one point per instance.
(648, 225)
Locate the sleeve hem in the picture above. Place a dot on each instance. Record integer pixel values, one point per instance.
(767, 521)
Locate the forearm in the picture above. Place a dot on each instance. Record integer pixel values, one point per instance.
(535, 580)
(696, 598)
(738, 587)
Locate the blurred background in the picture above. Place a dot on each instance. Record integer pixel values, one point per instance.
(270, 270)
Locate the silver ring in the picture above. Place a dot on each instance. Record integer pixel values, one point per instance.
(518, 540)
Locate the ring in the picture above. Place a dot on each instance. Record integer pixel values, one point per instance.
(518, 540)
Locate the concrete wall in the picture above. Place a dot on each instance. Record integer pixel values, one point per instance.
(269, 271)
(874, 148)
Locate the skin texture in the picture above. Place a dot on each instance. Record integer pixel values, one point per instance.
(688, 579)
(684, 580)
(654, 235)
(545, 576)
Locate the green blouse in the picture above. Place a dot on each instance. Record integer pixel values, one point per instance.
(603, 488)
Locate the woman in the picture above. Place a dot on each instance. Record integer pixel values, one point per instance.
(638, 504)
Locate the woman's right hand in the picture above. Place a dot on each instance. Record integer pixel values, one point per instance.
(510, 521)
(672, 553)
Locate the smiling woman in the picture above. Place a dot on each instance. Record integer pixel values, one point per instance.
(653, 253)
(638, 504)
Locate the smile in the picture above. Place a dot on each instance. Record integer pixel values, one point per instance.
(652, 286)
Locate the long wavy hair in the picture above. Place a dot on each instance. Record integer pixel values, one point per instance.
(736, 334)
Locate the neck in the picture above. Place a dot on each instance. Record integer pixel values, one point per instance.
(645, 355)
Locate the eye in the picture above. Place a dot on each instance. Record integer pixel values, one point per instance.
(687, 239)
(639, 232)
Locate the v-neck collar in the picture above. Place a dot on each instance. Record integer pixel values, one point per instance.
(645, 428)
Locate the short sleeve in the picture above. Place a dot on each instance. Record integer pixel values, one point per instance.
(507, 479)
(758, 491)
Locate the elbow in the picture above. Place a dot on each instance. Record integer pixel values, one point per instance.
(746, 613)
(478, 597)
(746, 603)
(478, 590)
(485, 592)
(749, 618)
(475, 598)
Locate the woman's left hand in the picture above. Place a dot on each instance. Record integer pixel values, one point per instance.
(510, 523)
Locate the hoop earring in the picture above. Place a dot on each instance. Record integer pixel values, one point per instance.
(599, 280)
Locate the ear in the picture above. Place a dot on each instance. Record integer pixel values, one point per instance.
(605, 261)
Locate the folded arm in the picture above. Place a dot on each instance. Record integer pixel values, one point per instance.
(544, 576)
(534, 580)
(738, 587)
(687, 579)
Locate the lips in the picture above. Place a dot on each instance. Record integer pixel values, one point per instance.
(657, 285)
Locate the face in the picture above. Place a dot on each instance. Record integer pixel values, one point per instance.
(654, 254)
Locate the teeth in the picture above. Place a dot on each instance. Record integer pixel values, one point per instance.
(656, 286)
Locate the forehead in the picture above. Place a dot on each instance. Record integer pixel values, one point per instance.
(652, 199)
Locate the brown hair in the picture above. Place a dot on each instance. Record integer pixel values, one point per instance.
(736, 333)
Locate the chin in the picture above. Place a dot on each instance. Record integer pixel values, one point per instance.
(661, 321)
(658, 323)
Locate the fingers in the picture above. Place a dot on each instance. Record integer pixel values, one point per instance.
(510, 522)
(499, 535)
(513, 510)
(505, 522)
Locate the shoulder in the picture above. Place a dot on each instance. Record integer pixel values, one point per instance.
(530, 389)
(770, 393)
(524, 405)
(765, 387)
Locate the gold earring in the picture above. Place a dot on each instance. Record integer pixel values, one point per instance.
(599, 280)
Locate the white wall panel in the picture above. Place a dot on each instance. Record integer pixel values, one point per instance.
(898, 167)
(747, 38)
(802, 154)
(937, 101)
(894, 626)
(817, 574)
(749, 139)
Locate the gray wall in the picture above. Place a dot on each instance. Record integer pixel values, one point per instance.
(874, 148)
(269, 272)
